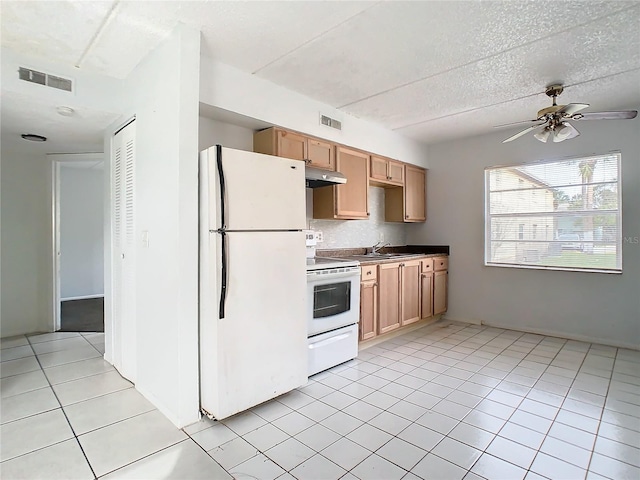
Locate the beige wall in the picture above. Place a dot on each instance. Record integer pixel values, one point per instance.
(594, 306)
(26, 296)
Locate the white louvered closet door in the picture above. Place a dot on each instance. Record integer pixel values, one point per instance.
(124, 264)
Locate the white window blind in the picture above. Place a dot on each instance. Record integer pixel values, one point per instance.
(561, 214)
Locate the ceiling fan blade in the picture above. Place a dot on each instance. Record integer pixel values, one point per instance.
(516, 123)
(572, 108)
(519, 134)
(622, 115)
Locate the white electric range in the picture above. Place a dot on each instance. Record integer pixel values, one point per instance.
(333, 311)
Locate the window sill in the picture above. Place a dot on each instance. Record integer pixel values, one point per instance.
(561, 269)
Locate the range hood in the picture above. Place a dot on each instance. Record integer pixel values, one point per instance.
(317, 177)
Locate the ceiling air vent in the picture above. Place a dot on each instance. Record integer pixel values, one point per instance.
(330, 122)
(41, 78)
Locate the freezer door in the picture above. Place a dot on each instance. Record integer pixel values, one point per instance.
(259, 349)
(260, 192)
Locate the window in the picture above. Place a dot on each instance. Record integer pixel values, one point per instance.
(569, 209)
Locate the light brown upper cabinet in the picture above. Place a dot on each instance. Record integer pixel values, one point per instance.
(415, 201)
(283, 143)
(321, 154)
(408, 203)
(349, 201)
(385, 171)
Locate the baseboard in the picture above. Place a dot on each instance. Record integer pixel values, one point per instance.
(159, 405)
(82, 297)
(397, 332)
(549, 333)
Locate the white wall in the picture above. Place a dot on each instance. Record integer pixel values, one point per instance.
(599, 307)
(81, 232)
(26, 297)
(162, 93)
(228, 88)
(213, 132)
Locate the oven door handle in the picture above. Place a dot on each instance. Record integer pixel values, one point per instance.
(313, 278)
(329, 340)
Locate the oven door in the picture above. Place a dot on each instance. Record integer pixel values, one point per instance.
(333, 301)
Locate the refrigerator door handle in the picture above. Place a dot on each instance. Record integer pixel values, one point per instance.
(223, 207)
(223, 282)
(222, 232)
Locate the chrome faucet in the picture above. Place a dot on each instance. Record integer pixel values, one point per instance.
(377, 247)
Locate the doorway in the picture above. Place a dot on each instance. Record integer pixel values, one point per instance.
(79, 242)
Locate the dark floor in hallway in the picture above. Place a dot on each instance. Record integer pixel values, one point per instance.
(85, 315)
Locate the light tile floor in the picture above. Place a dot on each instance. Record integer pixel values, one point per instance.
(448, 401)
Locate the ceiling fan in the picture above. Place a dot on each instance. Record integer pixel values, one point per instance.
(553, 120)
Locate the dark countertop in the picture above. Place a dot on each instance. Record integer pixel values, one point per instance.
(412, 251)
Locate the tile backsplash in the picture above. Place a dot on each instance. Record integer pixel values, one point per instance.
(358, 233)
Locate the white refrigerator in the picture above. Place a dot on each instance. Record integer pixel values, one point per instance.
(253, 329)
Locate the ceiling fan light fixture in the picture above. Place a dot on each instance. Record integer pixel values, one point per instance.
(543, 135)
(565, 131)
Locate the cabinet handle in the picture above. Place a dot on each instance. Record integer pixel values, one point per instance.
(369, 272)
(388, 178)
(368, 214)
(406, 216)
(307, 161)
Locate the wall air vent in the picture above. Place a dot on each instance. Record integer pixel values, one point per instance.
(330, 122)
(46, 79)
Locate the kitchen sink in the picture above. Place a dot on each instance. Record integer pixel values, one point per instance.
(383, 255)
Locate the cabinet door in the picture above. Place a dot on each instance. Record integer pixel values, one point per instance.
(320, 154)
(426, 294)
(291, 145)
(379, 168)
(415, 206)
(440, 281)
(388, 297)
(368, 309)
(395, 171)
(410, 292)
(352, 198)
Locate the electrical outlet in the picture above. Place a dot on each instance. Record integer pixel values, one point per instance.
(319, 237)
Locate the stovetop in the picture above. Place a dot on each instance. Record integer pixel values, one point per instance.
(321, 263)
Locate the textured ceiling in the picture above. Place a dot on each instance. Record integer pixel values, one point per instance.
(431, 70)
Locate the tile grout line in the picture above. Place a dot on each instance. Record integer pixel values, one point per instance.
(64, 413)
(595, 440)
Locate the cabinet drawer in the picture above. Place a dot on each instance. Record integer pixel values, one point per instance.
(369, 273)
(440, 263)
(427, 265)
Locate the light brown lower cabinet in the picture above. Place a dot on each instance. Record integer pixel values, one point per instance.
(440, 285)
(426, 288)
(368, 309)
(368, 302)
(396, 294)
(388, 297)
(409, 292)
(399, 294)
